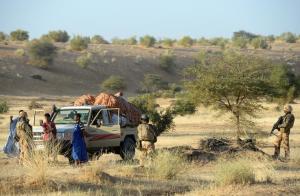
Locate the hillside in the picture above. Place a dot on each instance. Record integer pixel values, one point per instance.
(65, 77)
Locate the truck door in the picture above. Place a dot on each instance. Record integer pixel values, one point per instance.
(103, 132)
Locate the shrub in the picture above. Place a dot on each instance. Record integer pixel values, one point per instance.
(41, 53)
(240, 42)
(235, 172)
(58, 36)
(166, 42)
(128, 41)
(84, 60)
(203, 41)
(34, 105)
(166, 61)
(259, 42)
(20, 52)
(153, 82)
(186, 41)
(167, 165)
(79, 43)
(2, 36)
(19, 35)
(114, 83)
(131, 41)
(289, 37)
(183, 107)
(3, 107)
(270, 38)
(147, 41)
(98, 39)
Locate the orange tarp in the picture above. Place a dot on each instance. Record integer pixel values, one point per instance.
(85, 100)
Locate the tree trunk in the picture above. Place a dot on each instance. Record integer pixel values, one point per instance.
(238, 128)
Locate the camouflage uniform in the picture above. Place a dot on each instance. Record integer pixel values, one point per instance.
(24, 132)
(284, 128)
(147, 138)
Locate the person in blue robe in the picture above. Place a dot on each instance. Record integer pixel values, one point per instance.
(79, 152)
(11, 147)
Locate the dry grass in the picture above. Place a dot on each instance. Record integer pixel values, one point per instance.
(244, 170)
(40, 163)
(166, 165)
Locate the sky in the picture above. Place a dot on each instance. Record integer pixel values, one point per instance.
(159, 18)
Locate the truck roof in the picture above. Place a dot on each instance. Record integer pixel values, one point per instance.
(83, 107)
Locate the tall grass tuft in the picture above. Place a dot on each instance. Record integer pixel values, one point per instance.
(167, 165)
(235, 172)
(244, 171)
(38, 164)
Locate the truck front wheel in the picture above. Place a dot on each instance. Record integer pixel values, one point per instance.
(127, 150)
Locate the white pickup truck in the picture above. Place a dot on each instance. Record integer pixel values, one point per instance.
(105, 134)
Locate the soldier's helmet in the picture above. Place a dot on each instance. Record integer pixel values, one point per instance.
(145, 117)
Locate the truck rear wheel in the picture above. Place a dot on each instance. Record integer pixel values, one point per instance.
(127, 150)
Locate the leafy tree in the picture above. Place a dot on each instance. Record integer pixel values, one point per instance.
(153, 82)
(186, 41)
(19, 35)
(79, 43)
(114, 83)
(162, 120)
(166, 61)
(98, 39)
(230, 83)
(41, 53)
(147, 41)
(145, 102)
(289, 37)
(243, 34)
(58, 36)
(2, 36)
(285, 82)
(183, 107)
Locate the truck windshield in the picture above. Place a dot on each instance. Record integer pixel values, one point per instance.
(67, 116)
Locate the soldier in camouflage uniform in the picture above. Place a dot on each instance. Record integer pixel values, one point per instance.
(24, 132)
(284, 131)
(147, 137)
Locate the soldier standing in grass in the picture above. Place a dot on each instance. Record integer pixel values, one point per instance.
(147, 137)
(284, 127)
(24, 133)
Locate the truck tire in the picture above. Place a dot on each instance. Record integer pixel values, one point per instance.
(127, 150)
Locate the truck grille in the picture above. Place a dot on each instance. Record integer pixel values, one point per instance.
(37, 136)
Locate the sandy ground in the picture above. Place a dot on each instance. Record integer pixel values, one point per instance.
(198, 178)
